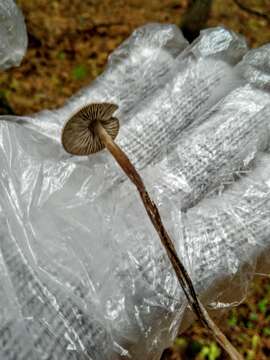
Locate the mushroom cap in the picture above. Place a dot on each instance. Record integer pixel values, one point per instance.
(79, 136)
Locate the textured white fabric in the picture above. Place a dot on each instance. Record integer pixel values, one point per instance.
(216, 150)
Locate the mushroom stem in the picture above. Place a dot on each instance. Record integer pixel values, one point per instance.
(153, 213)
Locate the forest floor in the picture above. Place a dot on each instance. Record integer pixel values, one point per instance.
(69, 43)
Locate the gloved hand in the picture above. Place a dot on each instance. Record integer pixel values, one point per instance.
(32, 326)
(13, 35)
(84, 274)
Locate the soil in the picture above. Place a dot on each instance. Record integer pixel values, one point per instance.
(69, 43)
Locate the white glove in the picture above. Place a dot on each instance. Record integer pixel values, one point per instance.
(83, 273)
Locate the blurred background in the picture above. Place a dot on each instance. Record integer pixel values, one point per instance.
(69, 43)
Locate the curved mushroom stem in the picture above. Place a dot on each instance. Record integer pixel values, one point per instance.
(153, 213)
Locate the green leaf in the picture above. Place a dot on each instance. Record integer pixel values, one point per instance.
(214, 352)
(262, 305)
(211, 352)
(250, 355)
(266, 331)
(204, 352)
(232, 321)
(79, 72)
(253, 316)
(255, 341)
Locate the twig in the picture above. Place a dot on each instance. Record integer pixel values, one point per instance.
(92, 129)
(153, 213)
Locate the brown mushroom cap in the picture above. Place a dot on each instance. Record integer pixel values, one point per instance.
(79, 136)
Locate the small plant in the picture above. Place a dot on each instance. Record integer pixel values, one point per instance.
(79, 72)
(266, 331)
(210, 352)
(232, 321)
(262, 305)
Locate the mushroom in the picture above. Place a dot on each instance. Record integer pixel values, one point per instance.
(94, 128)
